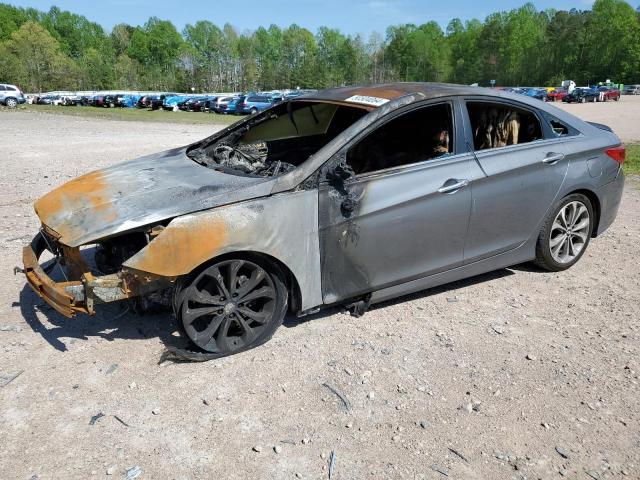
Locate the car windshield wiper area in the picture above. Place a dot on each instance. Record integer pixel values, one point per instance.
(231, 155)
(241, 159)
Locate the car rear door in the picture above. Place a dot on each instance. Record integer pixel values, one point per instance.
(512, 186)
(387, 226)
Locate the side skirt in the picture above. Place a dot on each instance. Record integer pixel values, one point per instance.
(521, 254)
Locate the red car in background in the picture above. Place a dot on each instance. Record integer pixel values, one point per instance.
(556, 95)
(609, 93)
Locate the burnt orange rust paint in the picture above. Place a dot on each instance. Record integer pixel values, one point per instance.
(388, 93)
(90, 190)
(181, 247)
(368, 108)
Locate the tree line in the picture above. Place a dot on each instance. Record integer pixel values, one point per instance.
(55, 50)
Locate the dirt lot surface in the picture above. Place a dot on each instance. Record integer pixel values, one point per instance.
(511, 375)
(623, 116)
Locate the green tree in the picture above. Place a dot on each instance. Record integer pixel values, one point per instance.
(11, 18)
(613, 42)
(35, 60)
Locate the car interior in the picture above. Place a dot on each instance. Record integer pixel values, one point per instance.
(422, 134)
(279, 141)
(497, 125)
(302, 129)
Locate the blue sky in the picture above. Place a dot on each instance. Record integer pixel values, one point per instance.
(350, 16)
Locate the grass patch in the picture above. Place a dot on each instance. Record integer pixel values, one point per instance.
(135, 114)
(632, 160)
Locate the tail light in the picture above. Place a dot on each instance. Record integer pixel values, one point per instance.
(616, 153)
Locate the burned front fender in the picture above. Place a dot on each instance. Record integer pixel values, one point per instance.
(81, 290)
(139, 193)
(283, 226)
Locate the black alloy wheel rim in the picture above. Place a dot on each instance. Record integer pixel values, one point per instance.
(228, 306)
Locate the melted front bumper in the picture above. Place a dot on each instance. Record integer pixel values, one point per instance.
(80, 292)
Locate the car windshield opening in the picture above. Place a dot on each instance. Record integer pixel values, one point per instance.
(277, 141)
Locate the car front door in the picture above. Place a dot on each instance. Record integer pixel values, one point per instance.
(513, 185)
(402, 212)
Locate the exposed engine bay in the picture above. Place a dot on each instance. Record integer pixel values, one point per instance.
(277, 141)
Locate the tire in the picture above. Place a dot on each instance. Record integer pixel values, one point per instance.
(616, 98)
(11, 102)
(583, 100)
(231, 305)
(253, 111)
(557, 251)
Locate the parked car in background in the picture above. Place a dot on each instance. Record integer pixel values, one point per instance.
(537, 93)
(158, 100)
(170, 102)
(556, 95)
(97, 101)
(193, 104)
(70, 100)
(609, 93)
(582, 95)
(50, 100)
(11, 96)
(234, 107)
(220, 104)
(143, 101)
(632, 90)
(253, 104)
(198, 104)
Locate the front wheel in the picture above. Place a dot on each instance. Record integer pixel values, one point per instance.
(231, 306)
(565, 234)
(11, 102)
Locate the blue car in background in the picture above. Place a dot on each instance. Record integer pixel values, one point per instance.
(255, 103)
(233, 107)
(539, 93)
(171, 103)
(127, 101)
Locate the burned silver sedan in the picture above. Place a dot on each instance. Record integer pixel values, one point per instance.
(349, 196)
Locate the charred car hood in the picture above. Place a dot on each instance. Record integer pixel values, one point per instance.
(138, 193)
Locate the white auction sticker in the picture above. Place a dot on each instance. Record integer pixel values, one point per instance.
(375, 101)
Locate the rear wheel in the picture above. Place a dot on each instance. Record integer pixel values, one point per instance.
(565, 234)
(253, 111)
(231, 306)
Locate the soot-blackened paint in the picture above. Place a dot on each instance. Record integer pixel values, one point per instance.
(339, 204)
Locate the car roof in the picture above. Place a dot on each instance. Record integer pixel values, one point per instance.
(376, 95)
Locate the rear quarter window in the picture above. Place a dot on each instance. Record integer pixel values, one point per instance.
(557, 127)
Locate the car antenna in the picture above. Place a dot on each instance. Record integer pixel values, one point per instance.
(473, 152)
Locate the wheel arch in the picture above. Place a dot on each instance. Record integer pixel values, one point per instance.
(595, 203)
(291, 282)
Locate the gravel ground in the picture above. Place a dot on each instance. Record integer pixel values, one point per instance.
(511, 375)
(623, 116)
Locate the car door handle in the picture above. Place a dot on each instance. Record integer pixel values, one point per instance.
(552, 158)
(453, 187)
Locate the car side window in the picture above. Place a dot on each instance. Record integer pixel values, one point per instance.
(2, 88)
(559, 128)
(496, 125)
(422, 134)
